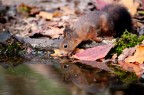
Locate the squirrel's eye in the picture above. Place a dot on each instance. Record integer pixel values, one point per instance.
(65, 46)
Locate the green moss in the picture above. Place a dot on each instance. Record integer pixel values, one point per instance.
(127, 40)
(12, 48)
(124, 76)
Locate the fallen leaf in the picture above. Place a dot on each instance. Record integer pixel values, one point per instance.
(102, 3)
(138, 56)
(67, 10)
(138, 25)
(57, 14)
(53, 32)
(136, 68)
(126, 52)
(132, 5)
(114, 57)
(24, 9)
(28, 10)
(94, 53)
(46, 15)
(56, 53)
(34, 10)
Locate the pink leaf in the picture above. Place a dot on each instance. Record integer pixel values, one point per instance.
(94, 53)
(102, 3)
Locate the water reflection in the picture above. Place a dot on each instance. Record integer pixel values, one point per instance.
(4, 89)
(90, 80)
(61, 77)
(96, 81)
(31, 79)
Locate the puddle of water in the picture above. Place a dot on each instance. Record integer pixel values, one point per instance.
(24, 80)
(49, 77)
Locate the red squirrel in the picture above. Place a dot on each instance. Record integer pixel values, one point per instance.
(112, 20)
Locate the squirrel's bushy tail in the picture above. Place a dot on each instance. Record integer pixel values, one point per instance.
(121, 18)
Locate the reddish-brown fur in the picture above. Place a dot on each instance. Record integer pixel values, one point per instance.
(110, 21)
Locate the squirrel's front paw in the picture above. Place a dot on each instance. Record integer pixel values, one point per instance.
(98, 39)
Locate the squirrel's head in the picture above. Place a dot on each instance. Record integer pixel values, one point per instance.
(69, 42)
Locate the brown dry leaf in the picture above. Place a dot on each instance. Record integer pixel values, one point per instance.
(67, 10)
(137, 24)
(53, 32)
(51, 23)
(28, 10)
(126, 52)
(56, 53)
(46, 15)
(131, 67)
(138, 56)
(94, 53)
(34, 10)
(57, 14)
(114, 57)
(132, 6)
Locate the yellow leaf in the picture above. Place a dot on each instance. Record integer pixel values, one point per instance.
(46, 15)
(131, 5)
(138, 56)
(56, 53)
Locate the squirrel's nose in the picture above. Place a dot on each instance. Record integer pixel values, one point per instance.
(61, 54)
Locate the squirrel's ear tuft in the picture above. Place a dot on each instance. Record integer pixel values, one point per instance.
(67, 31)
